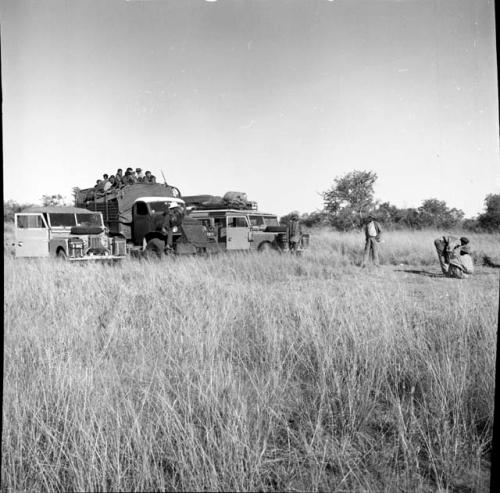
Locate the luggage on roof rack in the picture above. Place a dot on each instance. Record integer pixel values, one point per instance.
(230, 200)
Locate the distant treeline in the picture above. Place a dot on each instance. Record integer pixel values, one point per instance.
(351, 198)
(432, 214)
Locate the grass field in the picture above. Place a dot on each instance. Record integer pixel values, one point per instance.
(251, 372)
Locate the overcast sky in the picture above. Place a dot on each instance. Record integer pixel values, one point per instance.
(274, 98)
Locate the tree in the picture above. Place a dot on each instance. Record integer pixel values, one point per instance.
(74, 194)
(50, 200)
(434, 213)
(387, 213)
(350, 198)
(490, 219)
(315, 218)
(11, 207)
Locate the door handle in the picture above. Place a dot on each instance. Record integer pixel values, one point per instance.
(229, 239)
(20, 243)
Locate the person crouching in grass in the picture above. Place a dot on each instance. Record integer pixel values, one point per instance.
(454, 256)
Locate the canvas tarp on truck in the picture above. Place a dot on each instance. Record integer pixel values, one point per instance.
(116, 205)
(230, 200)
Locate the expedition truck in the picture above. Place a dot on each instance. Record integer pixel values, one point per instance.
(241, 226)
(136, 213)
(68, 233)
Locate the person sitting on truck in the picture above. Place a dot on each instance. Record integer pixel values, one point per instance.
(129, 178)
(110, 184)
(149, 178)
(140, 175)
(119, 178)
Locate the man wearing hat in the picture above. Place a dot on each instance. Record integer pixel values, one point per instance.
(129, 178)
(167, 221)
(295, 232)
(372, 232)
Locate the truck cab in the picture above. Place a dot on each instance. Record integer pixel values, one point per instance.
(69, 233)
(145, 217)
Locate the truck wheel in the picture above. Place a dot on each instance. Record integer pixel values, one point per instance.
(61, 255)
(266, 247)
(155, 248)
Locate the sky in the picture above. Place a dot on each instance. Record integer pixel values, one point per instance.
(275, 98)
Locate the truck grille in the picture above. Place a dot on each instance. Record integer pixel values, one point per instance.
(305, 241)
(96, 242)
(119, 246)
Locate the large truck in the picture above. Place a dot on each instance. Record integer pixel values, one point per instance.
(140, 213)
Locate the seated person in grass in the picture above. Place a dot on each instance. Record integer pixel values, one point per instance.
(454, 256)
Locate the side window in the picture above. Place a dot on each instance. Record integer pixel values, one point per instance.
(207, 222)
(141, 209)
(30, 222)
(237, 222)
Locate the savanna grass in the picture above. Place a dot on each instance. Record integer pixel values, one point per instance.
(250, 372)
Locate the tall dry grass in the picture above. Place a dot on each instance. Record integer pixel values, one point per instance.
(249, 372)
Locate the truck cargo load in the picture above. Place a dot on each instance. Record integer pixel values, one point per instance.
(230, 200)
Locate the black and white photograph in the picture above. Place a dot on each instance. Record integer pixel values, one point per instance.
(249, 245)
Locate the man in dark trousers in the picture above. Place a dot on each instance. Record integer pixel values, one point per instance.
(372, 238)
(295, 231)
(167, 221)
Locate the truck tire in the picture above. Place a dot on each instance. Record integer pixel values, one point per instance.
(155, 248)
(61, 255)
(266, 247)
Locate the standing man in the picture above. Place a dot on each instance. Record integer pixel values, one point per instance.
(176, 215)
(372, 237)
(295, 232)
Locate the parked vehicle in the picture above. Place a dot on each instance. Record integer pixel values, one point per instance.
(135, 213)
(237, 223)
(69, 233)
(237, 229)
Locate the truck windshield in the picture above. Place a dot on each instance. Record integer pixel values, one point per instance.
(159, 206)
(89, 220)
(62, 219)
(263, 220)
(271, 221)
(256, 220)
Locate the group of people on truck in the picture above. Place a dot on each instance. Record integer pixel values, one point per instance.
(119, 179)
